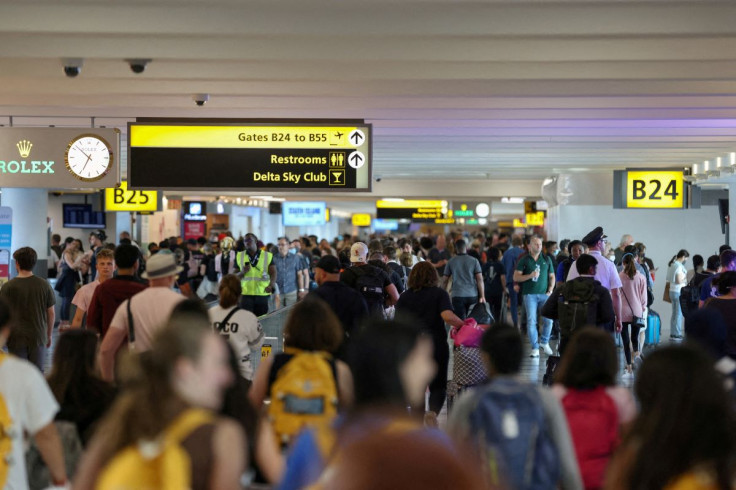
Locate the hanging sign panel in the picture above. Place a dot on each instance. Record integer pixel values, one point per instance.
(332, 156)
(123, 199)
(59, 158)
(649, 189)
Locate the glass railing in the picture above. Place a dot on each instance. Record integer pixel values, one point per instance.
(273, 330)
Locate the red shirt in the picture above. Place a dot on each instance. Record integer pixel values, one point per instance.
(106, 300)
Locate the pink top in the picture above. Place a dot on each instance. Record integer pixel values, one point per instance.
(635, 290)
(84, 296)
(621, 398)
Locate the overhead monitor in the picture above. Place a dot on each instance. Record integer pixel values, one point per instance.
(327, 156)
(304, 213)
(82, 216)
(385, 224)
(419, 211)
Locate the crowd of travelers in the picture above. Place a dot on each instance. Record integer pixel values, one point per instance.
(158, 378)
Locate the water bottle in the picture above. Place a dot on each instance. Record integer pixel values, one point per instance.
(535, 279)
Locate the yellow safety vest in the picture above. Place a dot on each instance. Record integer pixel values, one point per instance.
(257, 279)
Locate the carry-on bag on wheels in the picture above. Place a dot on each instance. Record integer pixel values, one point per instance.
(654, 327)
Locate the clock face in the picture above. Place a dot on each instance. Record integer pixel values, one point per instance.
(89, 158)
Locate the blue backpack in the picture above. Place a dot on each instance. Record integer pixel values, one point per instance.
(513, 437)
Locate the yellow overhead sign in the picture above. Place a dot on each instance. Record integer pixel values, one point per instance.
(122, 199)
(535, 219)
(519, 224)
(361, 220)
(655, 189)
(409, 204)
(181, 136)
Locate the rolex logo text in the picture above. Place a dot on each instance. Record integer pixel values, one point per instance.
(24, 167)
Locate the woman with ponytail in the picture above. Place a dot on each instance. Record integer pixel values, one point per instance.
(633, 306)
(677, 278)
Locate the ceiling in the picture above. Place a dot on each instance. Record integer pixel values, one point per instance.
(455, 90)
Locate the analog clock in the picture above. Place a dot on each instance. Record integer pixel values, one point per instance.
(88, 157)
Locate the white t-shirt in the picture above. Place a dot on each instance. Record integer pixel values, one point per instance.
(243, 332)
(151, 310)
(606, 272)
(672, 271)
(84, 296)
(31, 407)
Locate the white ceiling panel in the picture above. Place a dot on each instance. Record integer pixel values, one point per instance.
(455, 89)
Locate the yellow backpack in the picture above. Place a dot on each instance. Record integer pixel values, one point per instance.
(162, 464)
(303, 394)
(6, 437)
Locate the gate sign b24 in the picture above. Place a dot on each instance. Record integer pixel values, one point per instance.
(655, 189)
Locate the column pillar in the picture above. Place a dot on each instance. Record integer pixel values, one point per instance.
(30, 227)
(732, 212)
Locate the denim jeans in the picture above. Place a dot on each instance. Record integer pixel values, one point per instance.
(676, 320)
(533, 305)
(514, 305)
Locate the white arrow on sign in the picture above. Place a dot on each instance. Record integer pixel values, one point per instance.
(356, 160)
(356, 137)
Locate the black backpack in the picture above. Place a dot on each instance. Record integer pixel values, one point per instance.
(492, 281)
(369, 283)
(576, 299)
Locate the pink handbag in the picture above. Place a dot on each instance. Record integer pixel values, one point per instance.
(469, 333)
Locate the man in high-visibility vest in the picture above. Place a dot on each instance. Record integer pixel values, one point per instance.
(257, 274)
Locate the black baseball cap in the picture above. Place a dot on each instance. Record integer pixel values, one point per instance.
(594, 236)
(329, 264)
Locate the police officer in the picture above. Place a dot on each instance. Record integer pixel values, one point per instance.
(257, 274)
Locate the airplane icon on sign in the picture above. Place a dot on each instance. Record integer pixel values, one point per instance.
(336, 138)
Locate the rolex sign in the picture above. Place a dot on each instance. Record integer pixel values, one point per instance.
(59, 158)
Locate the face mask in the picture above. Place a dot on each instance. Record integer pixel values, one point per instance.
(292, 251)
(612, 257)
(555, 253)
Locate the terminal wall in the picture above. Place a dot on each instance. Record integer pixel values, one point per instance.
(664, 232)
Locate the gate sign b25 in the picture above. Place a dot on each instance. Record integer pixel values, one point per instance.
(653, 189)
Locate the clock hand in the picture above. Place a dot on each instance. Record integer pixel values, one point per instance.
(89, 157)
(83, 153)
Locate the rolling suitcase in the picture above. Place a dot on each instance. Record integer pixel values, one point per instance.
(654, 327)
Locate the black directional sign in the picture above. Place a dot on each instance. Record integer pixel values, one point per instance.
(280, 156)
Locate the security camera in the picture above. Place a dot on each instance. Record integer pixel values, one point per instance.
(378, 178)
(72, 67)
(201, 99)
(138, 65)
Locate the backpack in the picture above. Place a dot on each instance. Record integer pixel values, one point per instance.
(369, 283)
(162, 464)
(513, 437)
(593, 421)
(576, 298)
(303, 393)
(481, 313)
(6, 436)
(492, 281)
